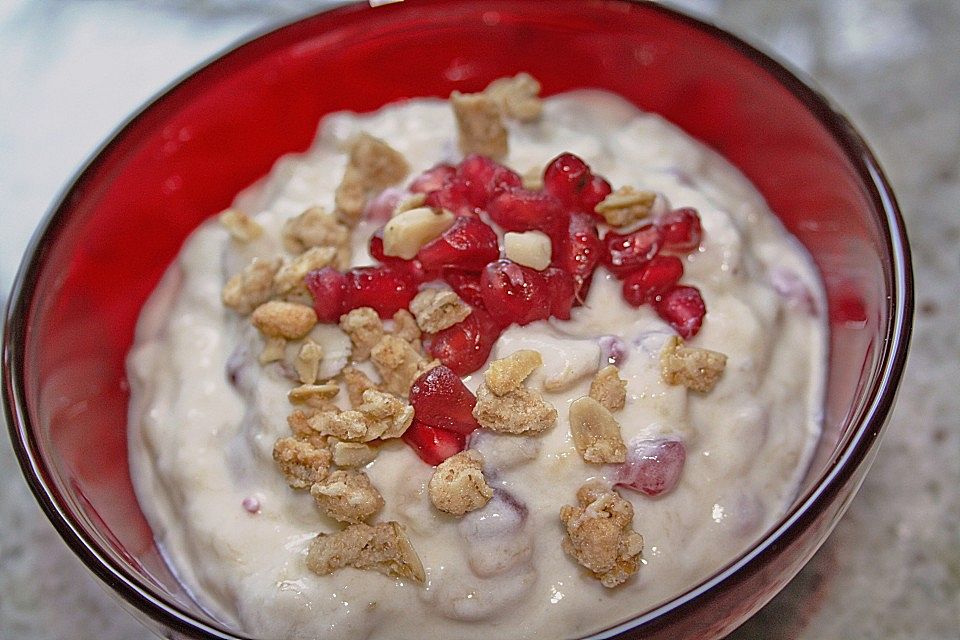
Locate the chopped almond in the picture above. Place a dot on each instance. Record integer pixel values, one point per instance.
(530, 249)
(596, 433)
(288, 320)
(625, 206)
(406, 232)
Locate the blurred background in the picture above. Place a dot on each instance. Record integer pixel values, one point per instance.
(73, 70)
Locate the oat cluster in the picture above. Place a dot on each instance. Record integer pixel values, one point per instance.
(600, 534)
(694, 368)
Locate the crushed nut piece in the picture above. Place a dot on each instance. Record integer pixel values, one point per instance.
(274, 350)
(297, 421)
(347, 496)
(316, 227)
(289, 279)
(241, 227)
(479, 124)
(406, 232)
(397, 362)
(357, 382)
(387, 410)
(437, 309)
(382, 547)
(520, 411)
(373, 164)
(625, 206)
(600, 534)
(289, 320)
(458, 485)
(694, 368)
(518, 97)
(596, 433)
(609, 389)
(380, 415)
(411, 201)
(351, 454)
(253, 286)
(405, 326)
(307, 392)
(308, 360)
(302, 462)
(365, 329)
(532, 178)
(530, 248)
(506, 374)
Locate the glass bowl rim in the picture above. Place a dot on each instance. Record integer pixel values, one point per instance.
(892, 357)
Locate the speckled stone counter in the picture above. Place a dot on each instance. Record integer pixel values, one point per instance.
(73, 69)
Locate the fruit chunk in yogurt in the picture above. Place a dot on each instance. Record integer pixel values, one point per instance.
(646, 372)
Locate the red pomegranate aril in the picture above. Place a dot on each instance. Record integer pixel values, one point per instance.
(327, 286)
(452, 196)
(433, 178)
(384, 288)
(440, 399)
(680, 230)
(653, 279)
(570, 179)
(653, 467)
(562, 292)
(412, 267)
(484, 178)
(522, 210)
(513, 293)
(578, 252)
(465, 346)
(625, 253)
(468, 244)
(433, 445)
(683, 309)
(465, 284)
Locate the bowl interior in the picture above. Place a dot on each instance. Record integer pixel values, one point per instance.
(184, 158)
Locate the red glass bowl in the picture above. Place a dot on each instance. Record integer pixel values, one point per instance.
(184, 156)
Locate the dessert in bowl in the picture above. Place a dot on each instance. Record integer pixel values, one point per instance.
(848, 302)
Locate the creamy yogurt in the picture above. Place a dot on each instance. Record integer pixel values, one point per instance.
(204, 415)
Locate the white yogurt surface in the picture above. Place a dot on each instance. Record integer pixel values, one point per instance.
(200, 446)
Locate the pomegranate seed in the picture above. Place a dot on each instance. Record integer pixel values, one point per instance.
(653, 467)
(578, 253)
(465, 346)
(683, 308)
(569, 178)
(653, 279)
(465, 284)
(433, 445)
(440, 399)
(484, 178)
(386, 289)
(514, 293)
(523, 210)
(327, 286)
(452, 196)
(433, 179)
(562, 292)
(680, 230)
(468, 244)
(413, 268)
(628, 252)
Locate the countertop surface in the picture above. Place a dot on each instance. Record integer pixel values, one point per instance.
(74, 69)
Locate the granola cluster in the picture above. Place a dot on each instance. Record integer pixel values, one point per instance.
(600, 535)
(694, 368)
(504, 405)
